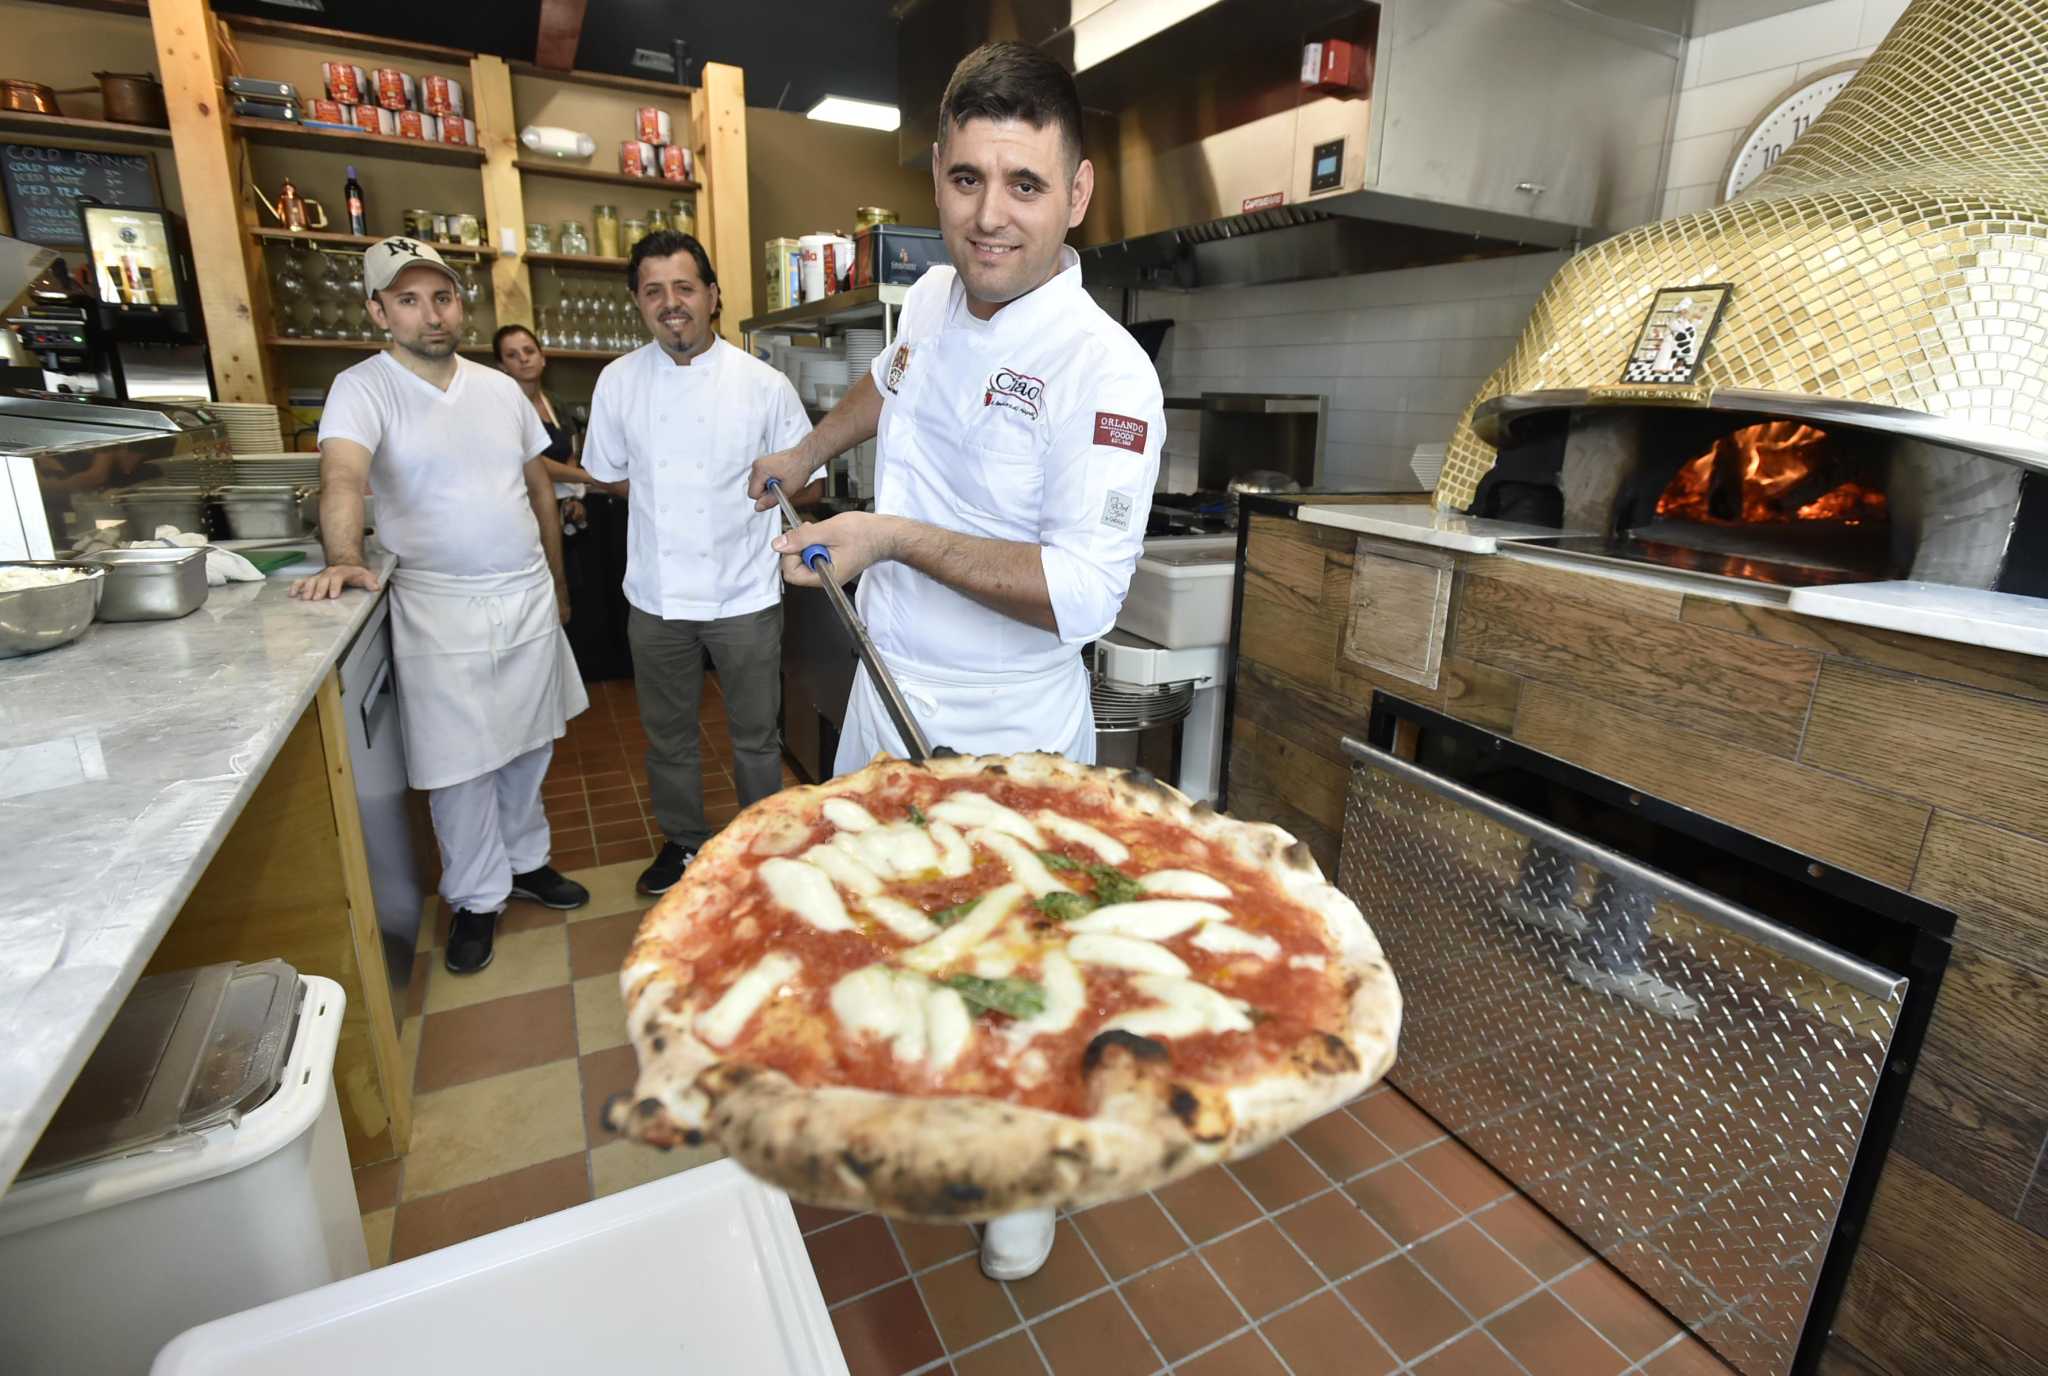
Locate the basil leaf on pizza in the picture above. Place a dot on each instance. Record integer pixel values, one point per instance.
(975, 985)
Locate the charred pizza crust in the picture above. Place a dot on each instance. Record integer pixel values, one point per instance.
(959, 1157)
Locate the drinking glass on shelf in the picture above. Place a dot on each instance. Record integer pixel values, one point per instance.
(358, 302)
(326, 292)
(289, 290)
(551, 326)
(472, 295)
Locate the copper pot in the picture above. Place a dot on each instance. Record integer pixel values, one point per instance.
(133, 98)
(30, 96)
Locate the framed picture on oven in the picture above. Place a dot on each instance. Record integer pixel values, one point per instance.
(1677, 334)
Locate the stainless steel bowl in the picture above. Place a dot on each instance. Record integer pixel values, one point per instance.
(151, 584)
(36, 619)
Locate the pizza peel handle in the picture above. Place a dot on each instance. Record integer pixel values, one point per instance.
(819, 560)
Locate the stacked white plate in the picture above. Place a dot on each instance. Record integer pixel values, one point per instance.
(861, 348)
(253, 427)
(299, 469)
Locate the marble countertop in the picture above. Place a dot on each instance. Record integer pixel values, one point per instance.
(125, 757)
(1422, 524)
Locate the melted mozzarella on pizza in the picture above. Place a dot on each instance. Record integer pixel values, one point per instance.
(723, 1020)
(848, 815)
(1025, 867)
(1183, 884)
(956, 942)
(971, 810)
(1112, 851)
(1224, 939)
(1125, 953)
(1183, 1008)
(1151, 919)
(920, 1020)
(806, 891)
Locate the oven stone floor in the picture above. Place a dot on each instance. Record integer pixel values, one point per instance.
(1369, 1242)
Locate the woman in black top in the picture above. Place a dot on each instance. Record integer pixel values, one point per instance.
(593, 521)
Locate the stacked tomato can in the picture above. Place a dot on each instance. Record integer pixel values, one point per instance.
(397, 104)
(652, 152)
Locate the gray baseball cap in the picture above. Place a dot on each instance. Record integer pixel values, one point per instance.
(385, 259)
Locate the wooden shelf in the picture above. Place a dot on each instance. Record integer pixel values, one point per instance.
(840, 308)
(334, 239)
(591, 174)
(291, 134)
(636, 84)
(583, 353)
(81, 130)
(259, 27)
(361, 346)
(588, 262)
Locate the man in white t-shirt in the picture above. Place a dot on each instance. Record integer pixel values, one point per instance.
(681, 420)
(1020, 430)
(486, 681)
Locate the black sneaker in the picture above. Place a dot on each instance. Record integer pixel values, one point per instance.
(549, 889)
(469, 941)
(667, 869)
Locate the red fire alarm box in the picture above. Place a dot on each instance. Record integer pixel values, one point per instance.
(1336, 67)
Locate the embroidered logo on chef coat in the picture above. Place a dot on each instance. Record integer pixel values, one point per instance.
(1018, 391)
(1124, 432)
(899, 364)
(1116, 511)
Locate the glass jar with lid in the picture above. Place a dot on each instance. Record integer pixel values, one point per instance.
(632, 232)
(657, 220)
(605, 219)
(682, 213)
(538, 240)
(572, 238)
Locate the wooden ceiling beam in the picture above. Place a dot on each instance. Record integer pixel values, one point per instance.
(561, 28)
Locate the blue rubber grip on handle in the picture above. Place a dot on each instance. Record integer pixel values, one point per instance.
(815, 555)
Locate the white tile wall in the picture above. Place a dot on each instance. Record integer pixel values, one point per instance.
(1730, 75)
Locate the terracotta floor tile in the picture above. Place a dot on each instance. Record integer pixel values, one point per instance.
(928, 1244)
(1244, 1355)
(1475, 1354)
(520, 963)
(1402, 1202)
(965, 1305)
(604, 797)
(1395, 1121)
(1095, 1338)
(620, 852)
(810, 1218)
(1069, 1273)
(1278, 1176)
(1622, 1314)
(627, 811)
(1129, 1235)
(377, 1185)
(1323, 1338)
(519, 916)
(1013, 1356)
(887, 1333)
(1336, 1234)
(1341, 1146)
(485, 1206)
(1687, 1357)
(600, 1013)
(1532, 1237)
(1474, 1269)
(1460, 1176)
(853, 1257)
(611, 833)
(474, 1131)
(1549, 1340)
(610, 778)
(1261, 1268)
(495, 1036)
(560, 785)
(1404, 1307)
(622, 1164)
(570, 860)
(1182, 1307)
(568, 841)
(605, 1073)
(1207, 1203)
(599, 946)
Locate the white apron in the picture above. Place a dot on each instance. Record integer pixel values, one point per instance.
(974, 713)
(484, 672)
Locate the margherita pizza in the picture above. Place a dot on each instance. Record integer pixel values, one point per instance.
(977, 985)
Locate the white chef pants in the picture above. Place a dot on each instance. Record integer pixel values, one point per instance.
(489, 829)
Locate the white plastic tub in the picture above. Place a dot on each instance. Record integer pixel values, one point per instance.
(699, 1272)
(1181, 591)
(101, 1265)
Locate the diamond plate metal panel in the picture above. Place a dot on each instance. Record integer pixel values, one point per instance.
(1677, 1081)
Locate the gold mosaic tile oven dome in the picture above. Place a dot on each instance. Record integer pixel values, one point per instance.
(1891, 270)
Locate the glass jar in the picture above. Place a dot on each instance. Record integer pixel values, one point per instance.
(631, 233)
(572, 238)
(605, 220)
(682, 214)
(419, 223)
(657, 220)
(538, 240)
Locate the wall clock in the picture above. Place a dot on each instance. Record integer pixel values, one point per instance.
(1782, 121)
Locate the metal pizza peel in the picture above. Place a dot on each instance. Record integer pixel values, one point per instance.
(819, 560)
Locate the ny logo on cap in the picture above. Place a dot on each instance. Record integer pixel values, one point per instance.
(399, 248)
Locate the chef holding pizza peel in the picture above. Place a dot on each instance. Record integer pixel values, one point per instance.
(1020, 430)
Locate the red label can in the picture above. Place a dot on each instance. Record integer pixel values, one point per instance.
(676, 162)
(375, 119)
(327, 111)
(346, 82)
(636, 158)
(396, 90)
(653, 124)
(415, 124)
(441, 95)
(457, 129)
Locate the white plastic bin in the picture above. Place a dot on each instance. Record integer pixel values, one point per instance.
(104, 1263)
(1181, 591)
(701, 1272)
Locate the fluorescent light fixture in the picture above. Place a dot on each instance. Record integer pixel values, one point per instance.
(865, 113)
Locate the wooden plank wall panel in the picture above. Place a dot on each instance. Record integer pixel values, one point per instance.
(1858, 828)
(1968, 752)
(1992, 1019)
(1739, 688)
(1481, 694)
(1986, 1266)
(1918, 1333)
(1971, 1132)
(1997, 882)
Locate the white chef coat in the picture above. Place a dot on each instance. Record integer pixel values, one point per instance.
(1044, 425)
(448, 468)
(686, 437)
(484, 673)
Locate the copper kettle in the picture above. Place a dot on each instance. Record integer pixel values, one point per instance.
(30, 97)
(133, 98)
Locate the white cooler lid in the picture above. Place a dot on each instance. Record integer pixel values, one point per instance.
(699, 1272)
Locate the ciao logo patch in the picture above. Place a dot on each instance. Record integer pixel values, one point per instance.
(899, 364)
(1018, 391)
(1121, 432)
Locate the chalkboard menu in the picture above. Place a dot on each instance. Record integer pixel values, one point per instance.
(45, 185)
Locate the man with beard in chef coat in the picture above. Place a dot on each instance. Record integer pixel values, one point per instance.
(1020, 430)
(486, 681)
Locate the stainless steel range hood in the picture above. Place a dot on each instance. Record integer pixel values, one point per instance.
(1489, 126)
